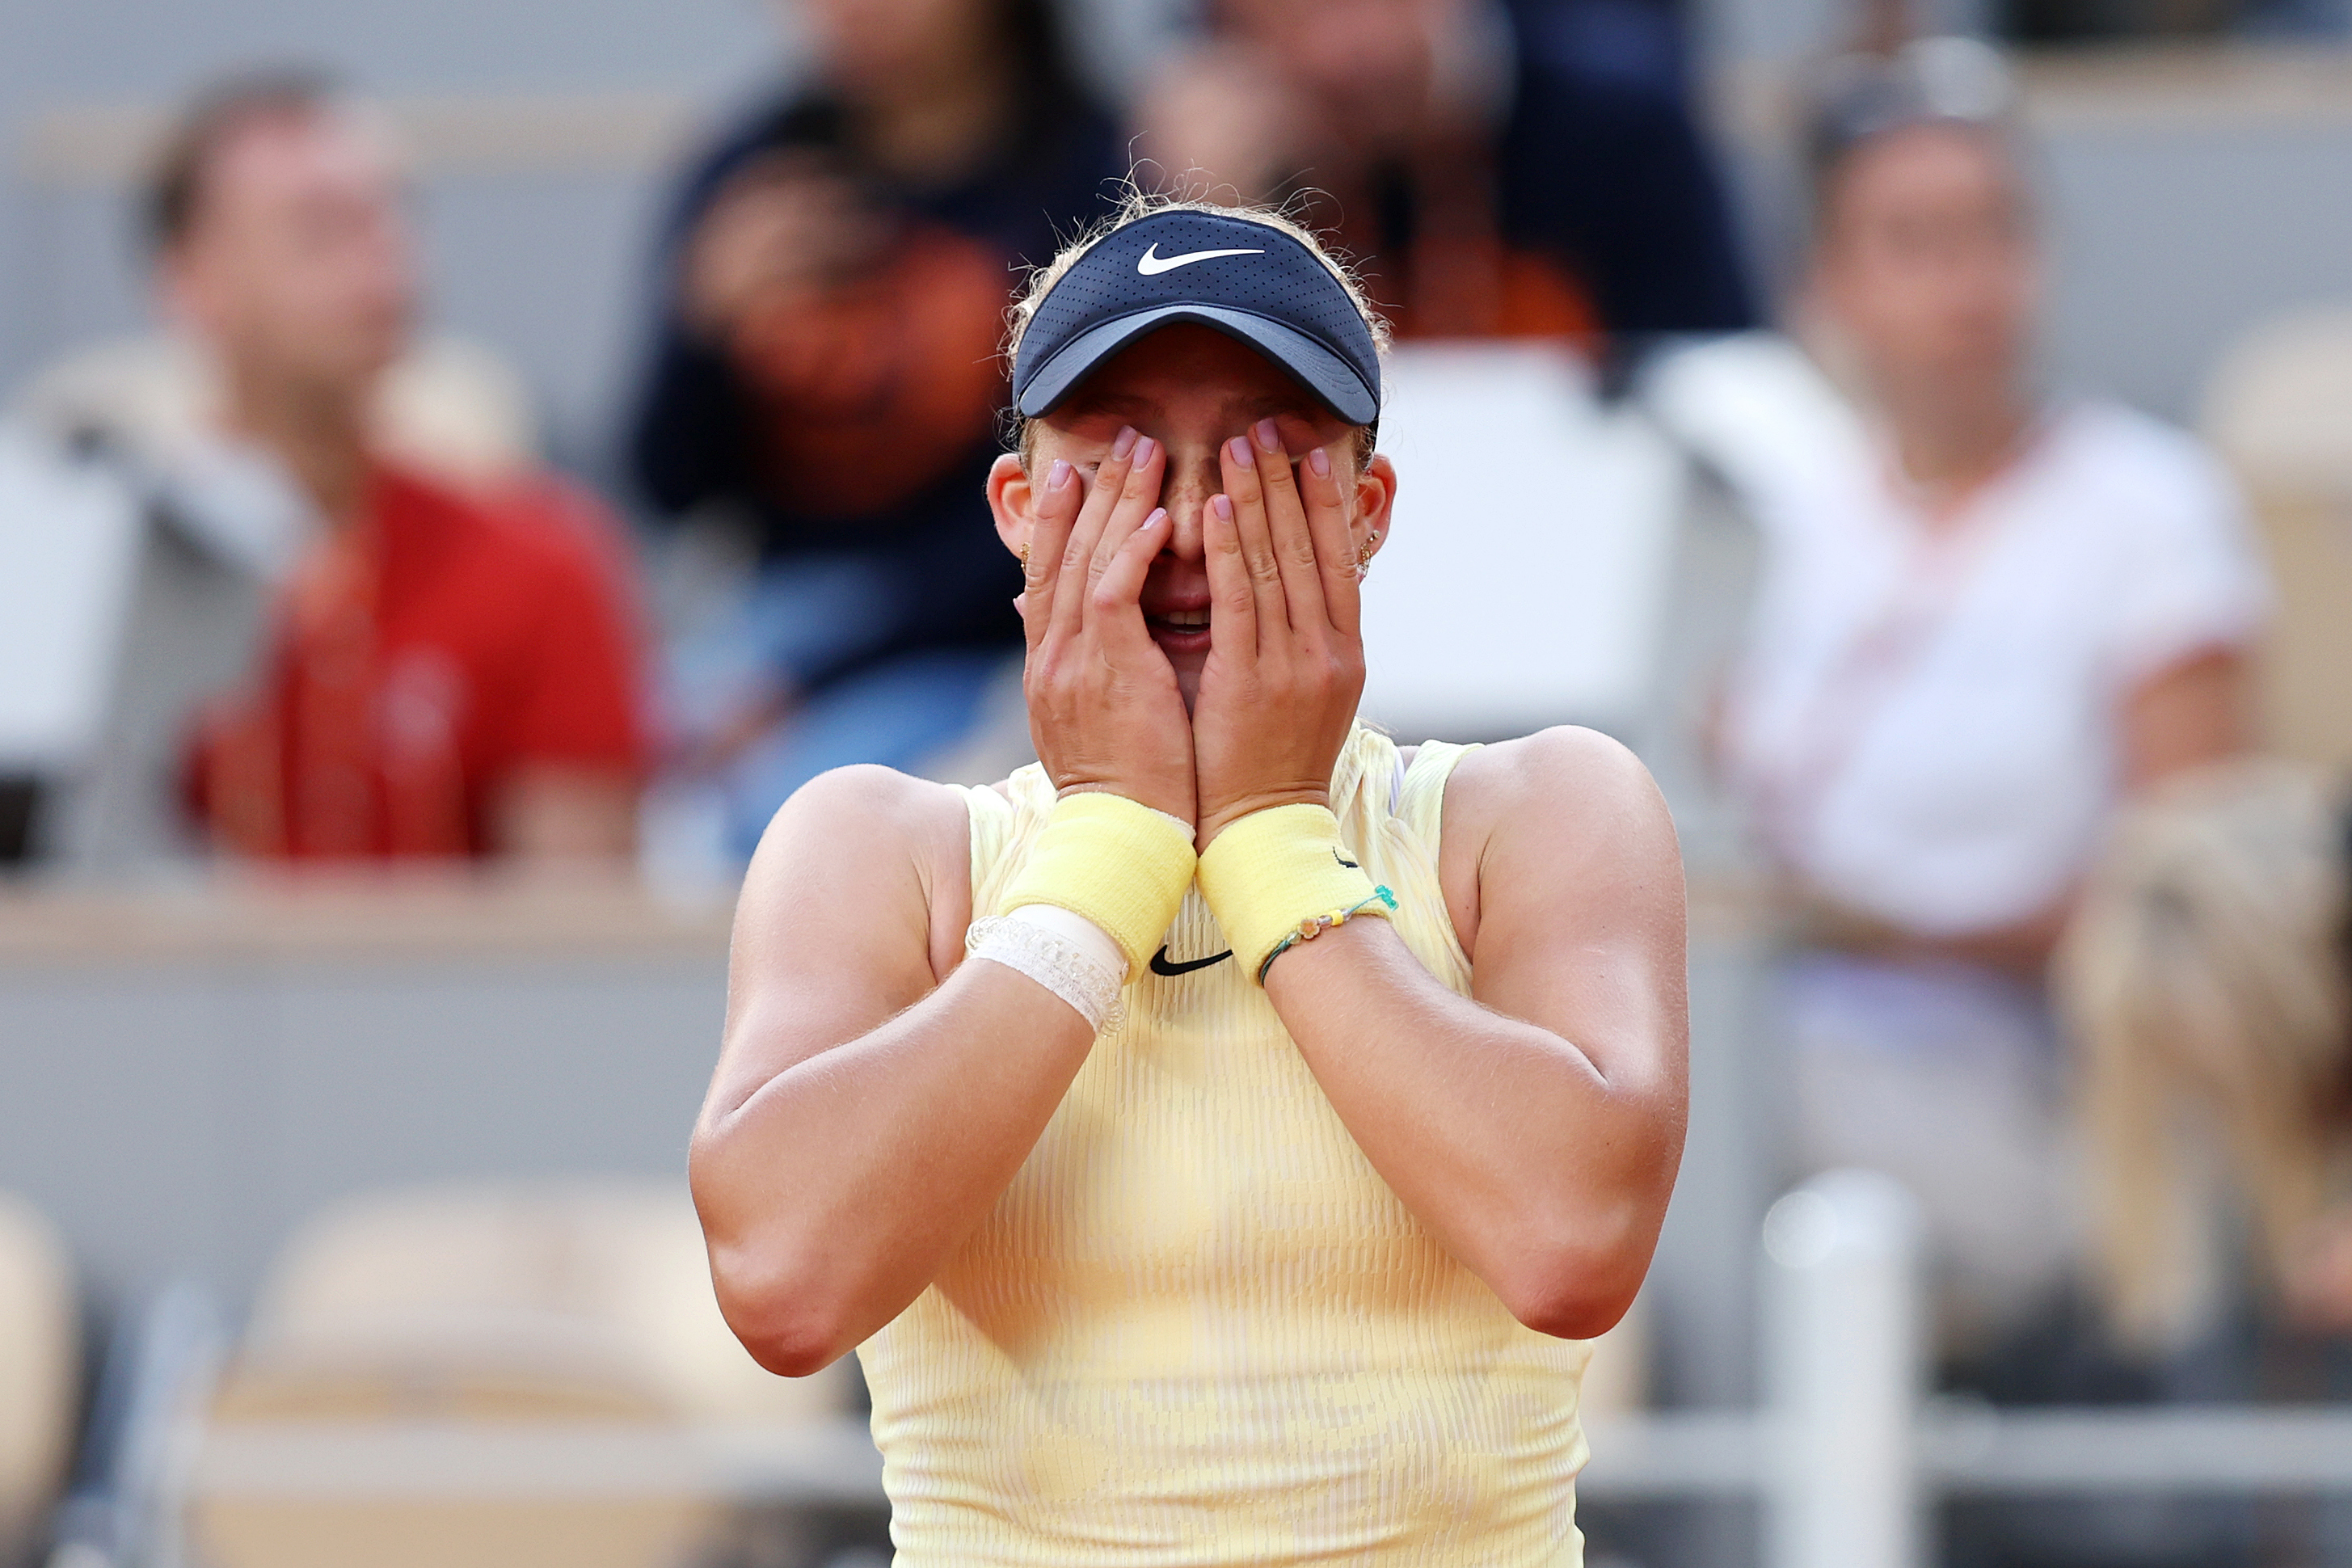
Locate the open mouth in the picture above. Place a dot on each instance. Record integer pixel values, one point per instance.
(1179, 631)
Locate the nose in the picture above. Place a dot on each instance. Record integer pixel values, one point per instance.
(1192, 477)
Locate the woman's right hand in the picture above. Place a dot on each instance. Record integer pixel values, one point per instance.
(1103, 708)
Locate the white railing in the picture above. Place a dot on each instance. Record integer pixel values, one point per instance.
(1844, 1373)
(1849, 1449)
(1844, 1456)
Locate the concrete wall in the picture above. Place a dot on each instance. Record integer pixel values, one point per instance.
(185, 1079)
(2182, 214)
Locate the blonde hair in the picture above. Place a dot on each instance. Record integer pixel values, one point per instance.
(1138, 203)
(2205, 976)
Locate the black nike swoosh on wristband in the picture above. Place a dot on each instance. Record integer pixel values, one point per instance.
(1351, 865)
(1163, 965)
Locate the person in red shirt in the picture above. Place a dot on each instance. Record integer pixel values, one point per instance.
(451, 670)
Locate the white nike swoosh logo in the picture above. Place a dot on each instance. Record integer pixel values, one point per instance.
(1151, 263)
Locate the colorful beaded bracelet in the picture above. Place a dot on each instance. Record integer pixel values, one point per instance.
(1313, 926)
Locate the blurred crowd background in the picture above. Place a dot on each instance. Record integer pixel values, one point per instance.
(463, 465)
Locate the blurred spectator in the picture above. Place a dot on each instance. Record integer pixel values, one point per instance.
(1528, 169)
(833, 298)
(1987, 615)
(2084, 21)
(2208, 975)
(2279, 406)
(449, 670)
(170, 612)
(41, 1362)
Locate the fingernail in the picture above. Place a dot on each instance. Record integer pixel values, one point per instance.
(1321, 462)
(1222, 506)
(1144, 448)
(1268, 437)
(1239, 451)
(1058, 475)
(1158, 516)
(1124, 443)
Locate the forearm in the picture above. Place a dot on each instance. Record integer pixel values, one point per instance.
(834, 1192)
(2020, 947)
(1544, 1176)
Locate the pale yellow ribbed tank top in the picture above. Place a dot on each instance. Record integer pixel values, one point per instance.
(1198, 1327)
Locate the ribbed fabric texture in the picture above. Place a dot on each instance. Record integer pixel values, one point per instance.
(1199, 1329)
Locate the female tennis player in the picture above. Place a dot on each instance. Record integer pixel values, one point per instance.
(1216, 1138)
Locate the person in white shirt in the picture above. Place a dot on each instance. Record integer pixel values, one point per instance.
(1987, 616)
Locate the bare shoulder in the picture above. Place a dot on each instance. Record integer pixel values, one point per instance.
(867, 845)
(1564, 806)
(861, 812)
(1565, 777)
(1564, 755)
(868, 795)
(843, 920)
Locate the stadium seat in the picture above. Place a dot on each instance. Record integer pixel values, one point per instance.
(39, 1374)
(583, 1304)
(2280, 407)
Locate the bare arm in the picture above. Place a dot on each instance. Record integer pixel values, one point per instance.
(2188, 713)
(864, 1115)
(875, 1097)
(1535, 1126)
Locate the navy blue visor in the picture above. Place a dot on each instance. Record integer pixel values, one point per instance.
(1244, 278)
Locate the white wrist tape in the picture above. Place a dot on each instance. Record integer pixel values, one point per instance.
(1074, 928)
(1067, 954)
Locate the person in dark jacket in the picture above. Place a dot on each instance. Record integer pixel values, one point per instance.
(1528, 169)
(833, 290)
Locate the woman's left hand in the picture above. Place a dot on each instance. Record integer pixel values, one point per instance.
(1286, 661)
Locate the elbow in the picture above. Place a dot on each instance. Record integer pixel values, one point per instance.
(770, 1286)
(789, 1329)
(1576, 1283)
(789, 1354)
(1578, 1310)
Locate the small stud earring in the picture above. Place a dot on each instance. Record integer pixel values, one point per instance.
(1364, 555)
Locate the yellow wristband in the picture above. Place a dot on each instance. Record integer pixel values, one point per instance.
(1277, 871)
(1115, 861)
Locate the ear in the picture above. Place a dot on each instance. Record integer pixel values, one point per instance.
(1375, 503)
(1011, 501)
